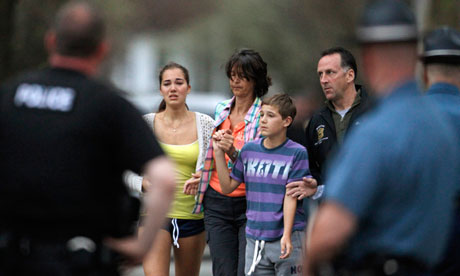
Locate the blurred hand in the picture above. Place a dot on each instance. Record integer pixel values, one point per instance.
(128, 247)
(145, 184)
(302, 189)
(191, 185)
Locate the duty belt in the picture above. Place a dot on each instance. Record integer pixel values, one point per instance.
(78, 252)
(374, 265)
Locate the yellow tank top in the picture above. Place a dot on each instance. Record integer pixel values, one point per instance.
(185, 157)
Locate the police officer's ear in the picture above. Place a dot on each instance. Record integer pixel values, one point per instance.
(50, 41)
(425, 77)
(102, 50)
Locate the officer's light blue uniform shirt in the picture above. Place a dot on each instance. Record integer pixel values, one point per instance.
(396, 173)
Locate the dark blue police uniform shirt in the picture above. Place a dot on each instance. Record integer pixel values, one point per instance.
(447, 98)
(396, 173)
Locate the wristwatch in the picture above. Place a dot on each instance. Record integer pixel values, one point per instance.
(235, 154)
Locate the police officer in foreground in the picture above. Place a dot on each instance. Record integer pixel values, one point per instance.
(389, 193)
(441, 60)
(65, 140)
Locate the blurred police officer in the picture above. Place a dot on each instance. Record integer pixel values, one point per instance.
(65, 140)
(389, 193)
(441, 60)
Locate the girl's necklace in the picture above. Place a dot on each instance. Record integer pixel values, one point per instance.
(174, 129)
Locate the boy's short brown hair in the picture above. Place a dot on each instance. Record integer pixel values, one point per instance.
(284, 103)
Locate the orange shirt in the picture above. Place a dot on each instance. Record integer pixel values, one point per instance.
(238, 143)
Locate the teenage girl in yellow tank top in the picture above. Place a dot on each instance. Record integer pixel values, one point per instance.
(184, 136)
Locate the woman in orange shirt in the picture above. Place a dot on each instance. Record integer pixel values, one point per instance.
(224, 215)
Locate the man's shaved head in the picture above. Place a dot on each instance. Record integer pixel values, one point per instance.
(79, 29)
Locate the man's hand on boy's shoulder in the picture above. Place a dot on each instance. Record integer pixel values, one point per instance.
(303, 188)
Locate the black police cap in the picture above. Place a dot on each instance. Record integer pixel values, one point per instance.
(387, 21)
(442, 46)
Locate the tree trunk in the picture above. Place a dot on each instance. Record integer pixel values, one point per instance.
(7, 8)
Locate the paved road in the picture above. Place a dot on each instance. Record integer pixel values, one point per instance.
(204, 271)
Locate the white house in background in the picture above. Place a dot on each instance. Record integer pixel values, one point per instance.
(137, 73)
(196, 101)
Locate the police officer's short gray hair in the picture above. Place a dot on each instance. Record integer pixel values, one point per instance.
(79, 29)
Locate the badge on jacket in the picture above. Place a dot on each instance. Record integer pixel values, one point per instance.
(320, 133)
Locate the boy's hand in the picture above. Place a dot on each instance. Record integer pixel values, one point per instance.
(302, 189)
(216, 141)
(286, 247)
(226, 141)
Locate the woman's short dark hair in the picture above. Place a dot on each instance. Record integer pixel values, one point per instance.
(250, 65)
(171, 65)
(347, 59)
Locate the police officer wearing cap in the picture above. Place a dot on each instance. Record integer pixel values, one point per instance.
(389, 192)
(441, 60)
(65, 140)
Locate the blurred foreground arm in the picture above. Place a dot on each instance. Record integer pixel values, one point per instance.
(332, 228)
(157, 199)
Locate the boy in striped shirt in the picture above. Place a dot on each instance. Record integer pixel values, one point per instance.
(275, 221)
